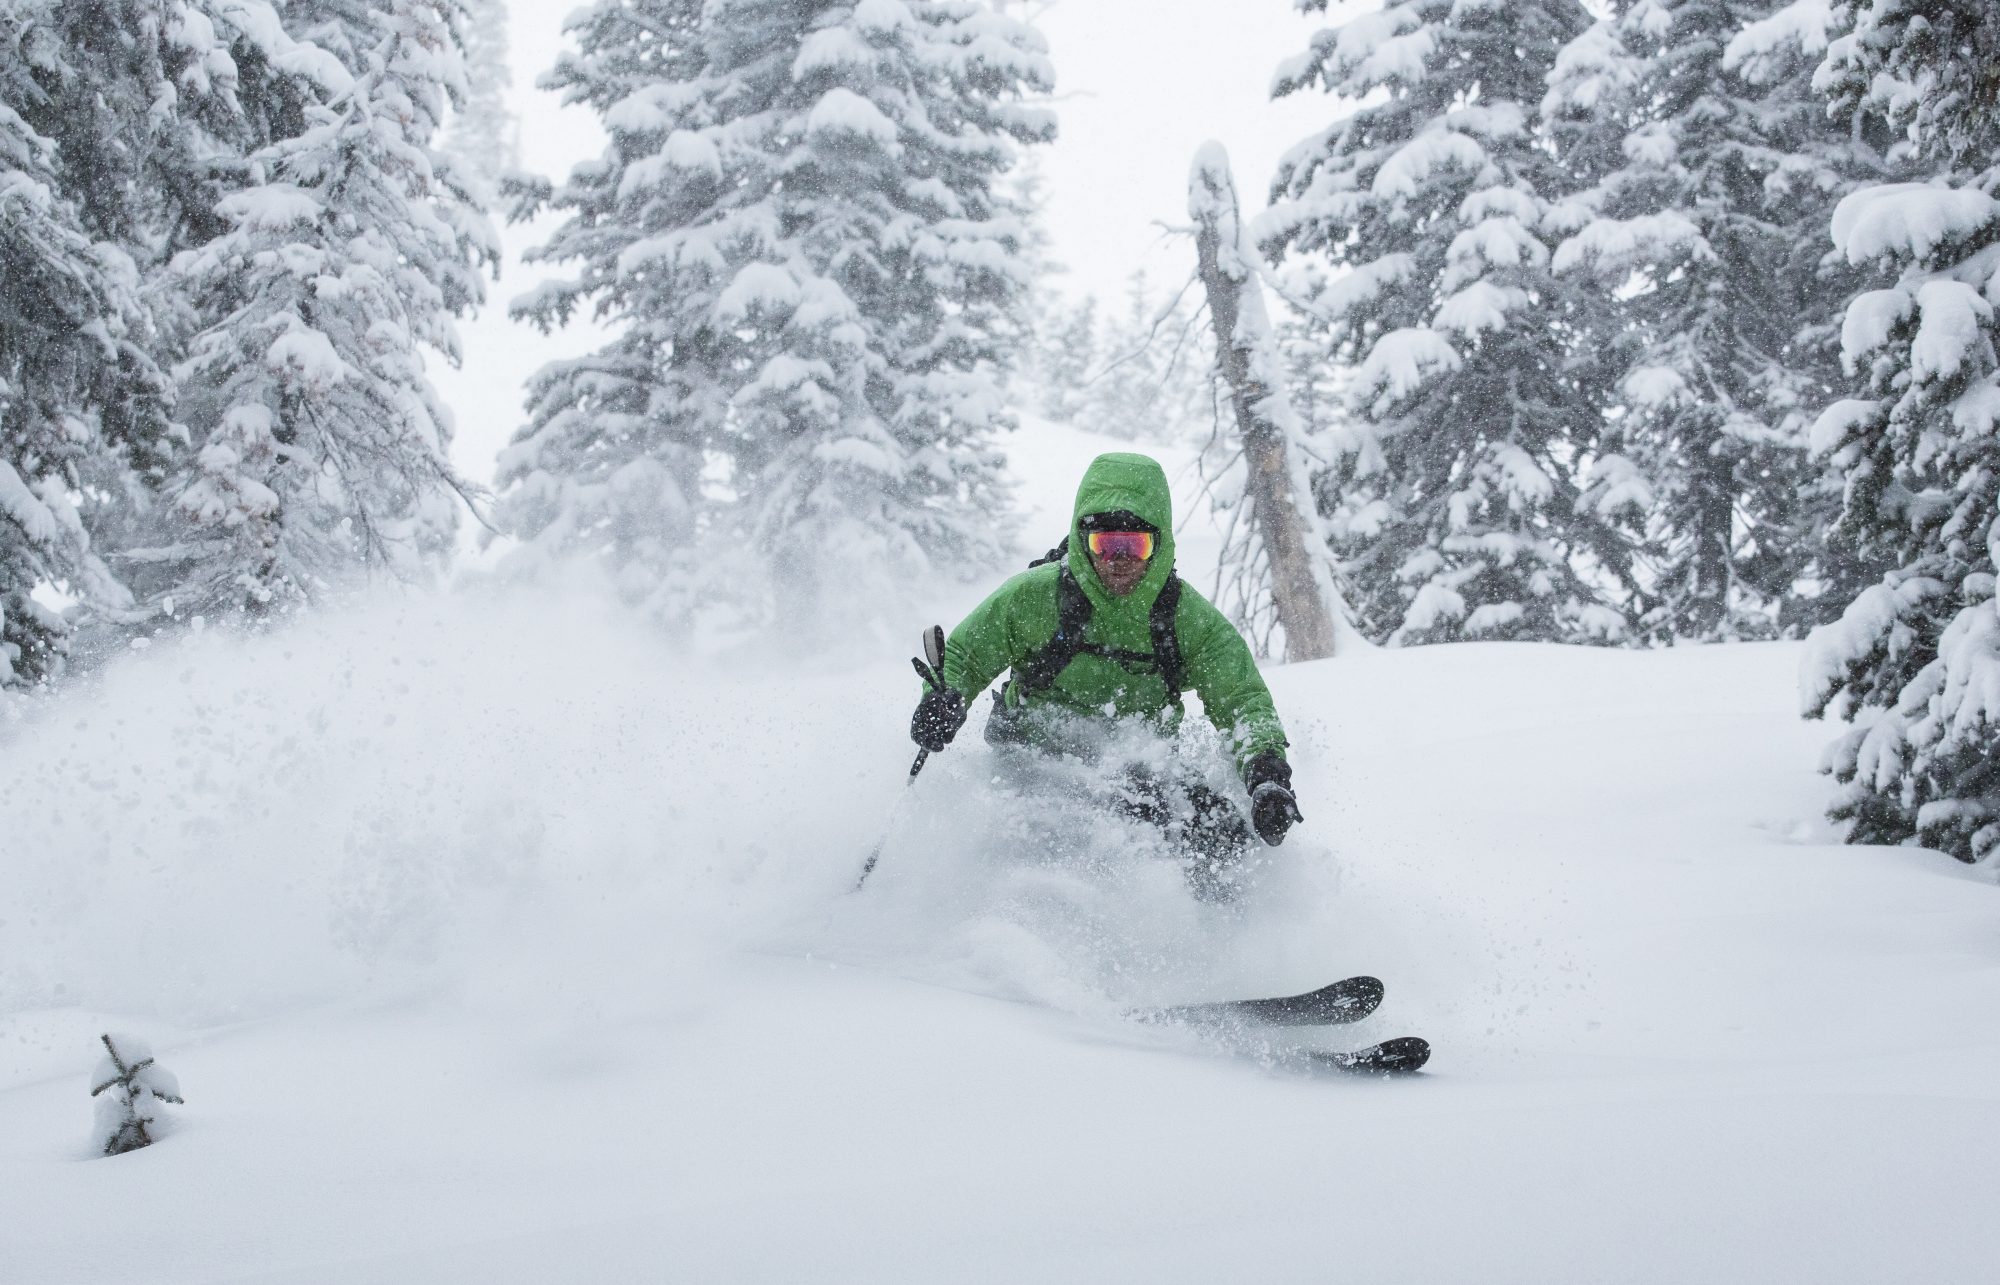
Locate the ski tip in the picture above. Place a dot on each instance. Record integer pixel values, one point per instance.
(1347, 1000)
(1404, 1055)
(1358, 990)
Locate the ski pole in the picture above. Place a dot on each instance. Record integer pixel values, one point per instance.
(933, 674)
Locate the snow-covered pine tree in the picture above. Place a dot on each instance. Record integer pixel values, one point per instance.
(800, 231)
(483, 136)
(1457, 517)
(1065, 357)
(1915, 660)
(1151, 378)
(1719, 319)
(140, 98)
(1025, 188)
(321, 446)
(144, 102)
(129, 1087)
(71, 359)
(345, 29)
(248, 59)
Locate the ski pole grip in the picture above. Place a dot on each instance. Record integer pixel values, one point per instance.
(930, 666)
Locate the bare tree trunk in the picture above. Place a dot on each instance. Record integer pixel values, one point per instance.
(1249, 366)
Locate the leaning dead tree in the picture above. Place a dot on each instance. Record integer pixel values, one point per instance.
(1246, 357)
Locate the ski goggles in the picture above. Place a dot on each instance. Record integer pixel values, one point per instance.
(1121, 544)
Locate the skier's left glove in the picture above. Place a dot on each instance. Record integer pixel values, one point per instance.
(1273, 808)
(939, 716)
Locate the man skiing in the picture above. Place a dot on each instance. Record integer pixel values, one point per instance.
(1102, 638)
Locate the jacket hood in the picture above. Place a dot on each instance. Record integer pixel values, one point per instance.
(1138, 485)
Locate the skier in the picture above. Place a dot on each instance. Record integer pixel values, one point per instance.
(1102, 638)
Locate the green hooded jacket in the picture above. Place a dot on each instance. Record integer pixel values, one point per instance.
(1020, 618)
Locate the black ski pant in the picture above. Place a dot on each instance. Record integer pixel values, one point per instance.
(1206, 829)
(1208, 832)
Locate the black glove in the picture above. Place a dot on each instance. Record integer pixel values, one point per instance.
(939, 716)
(1273, 809)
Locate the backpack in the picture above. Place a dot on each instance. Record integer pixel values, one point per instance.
(1073, 611)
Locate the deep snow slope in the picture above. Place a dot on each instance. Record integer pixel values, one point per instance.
(491, 944)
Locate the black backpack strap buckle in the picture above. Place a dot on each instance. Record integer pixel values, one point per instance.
(1166, 637)
(1073, 610)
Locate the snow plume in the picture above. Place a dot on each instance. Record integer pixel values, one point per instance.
(526, 806)
(426, 792)
(1016, 875)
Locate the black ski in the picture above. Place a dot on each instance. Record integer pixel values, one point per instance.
(1349, 1000)
(1399, 1056)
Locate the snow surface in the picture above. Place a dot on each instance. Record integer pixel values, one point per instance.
(489, 944)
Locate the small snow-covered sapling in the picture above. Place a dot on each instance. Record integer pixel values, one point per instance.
(128, 1083)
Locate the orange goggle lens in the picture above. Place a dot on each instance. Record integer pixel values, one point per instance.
(1121, 544)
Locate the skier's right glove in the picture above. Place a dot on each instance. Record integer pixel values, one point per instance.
(939, 716)
(1273, 808)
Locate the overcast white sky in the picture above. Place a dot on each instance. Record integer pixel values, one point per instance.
(1140, 85)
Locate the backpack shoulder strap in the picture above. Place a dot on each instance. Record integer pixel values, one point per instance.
(1167, 639)
(1053, 555)
(1073, 612)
